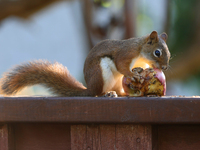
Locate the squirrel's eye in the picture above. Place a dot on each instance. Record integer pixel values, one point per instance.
(157, 53)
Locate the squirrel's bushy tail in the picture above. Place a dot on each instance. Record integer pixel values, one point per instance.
(55, 77)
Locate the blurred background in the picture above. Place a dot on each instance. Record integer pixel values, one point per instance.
(65, 31)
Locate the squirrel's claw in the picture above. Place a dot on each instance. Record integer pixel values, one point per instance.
(111, 94)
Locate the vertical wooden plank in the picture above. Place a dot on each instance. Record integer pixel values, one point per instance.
(3, 137)
(125, 139)
(6, 137)
(93, 137)
(42, 136)
(179, 137)
(100, 137)
(137, 137)
(155, 137)
(108, 141)
(144, 140)
(78, 137)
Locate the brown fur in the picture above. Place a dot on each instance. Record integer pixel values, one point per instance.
(58, 79)
(55, 76)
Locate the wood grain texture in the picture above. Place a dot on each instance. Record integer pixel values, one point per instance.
(78, 137)
(42, 136)
(112, 137)
(137, 137)
(6, 137)
(93, 137)
(178, 137)
(108, 136)
(100, 110)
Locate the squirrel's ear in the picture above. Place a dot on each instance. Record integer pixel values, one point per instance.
(154, 36)
(164, 36)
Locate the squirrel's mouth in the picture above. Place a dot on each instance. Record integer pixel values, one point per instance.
(155, 66)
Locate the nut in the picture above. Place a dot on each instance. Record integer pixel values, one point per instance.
(151, 82)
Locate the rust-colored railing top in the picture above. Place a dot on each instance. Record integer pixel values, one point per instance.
(100, 110)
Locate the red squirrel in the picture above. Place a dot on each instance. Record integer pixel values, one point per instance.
(104, 67)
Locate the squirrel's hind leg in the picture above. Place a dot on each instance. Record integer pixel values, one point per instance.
(118, 87)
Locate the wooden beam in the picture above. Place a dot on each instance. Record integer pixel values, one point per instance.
(100, 110)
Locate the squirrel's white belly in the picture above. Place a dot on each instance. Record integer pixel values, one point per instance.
(133, 62)
(109, 73)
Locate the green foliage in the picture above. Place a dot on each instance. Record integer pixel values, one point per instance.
(183, 26)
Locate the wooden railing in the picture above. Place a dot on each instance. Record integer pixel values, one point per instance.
(91, 123)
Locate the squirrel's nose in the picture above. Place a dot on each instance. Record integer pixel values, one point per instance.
(164, 67)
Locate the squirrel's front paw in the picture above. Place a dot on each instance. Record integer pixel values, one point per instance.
(136, 77)
(137, 70)
(139, 74)
(111, 94)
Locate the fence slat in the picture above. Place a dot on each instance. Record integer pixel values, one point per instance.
(137, 137)
(100, 137)
(6, 137)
